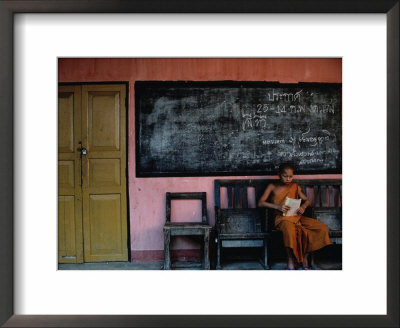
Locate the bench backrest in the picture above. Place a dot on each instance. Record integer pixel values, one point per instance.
(237, 217)
(326, 202)
(322, 193)
(325, 196)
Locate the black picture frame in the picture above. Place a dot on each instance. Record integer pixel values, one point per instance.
(10, 7)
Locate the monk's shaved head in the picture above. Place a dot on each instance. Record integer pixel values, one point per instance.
(284, 166)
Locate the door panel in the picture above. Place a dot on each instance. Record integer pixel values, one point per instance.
(104, 181)
(70, 239)
(105, 231)
(105, 172)
(92, 187)
(66, 116)
(66, 227)
(66, 174)
(104, 120)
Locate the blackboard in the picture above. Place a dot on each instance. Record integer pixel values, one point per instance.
(219, 128)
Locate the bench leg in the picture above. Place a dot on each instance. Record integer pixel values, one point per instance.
(167, 258)
(266, 266)
(206, 255)
(218, 254)
(311, 259)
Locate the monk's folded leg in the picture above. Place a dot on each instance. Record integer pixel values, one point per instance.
(289, 233)
(293, 237)
(317, 233)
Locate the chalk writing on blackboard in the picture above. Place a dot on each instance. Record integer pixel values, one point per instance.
(236, 128)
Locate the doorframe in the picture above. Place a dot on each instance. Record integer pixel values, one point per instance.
(126, 84)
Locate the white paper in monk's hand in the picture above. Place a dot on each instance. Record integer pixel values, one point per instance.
(294, 206)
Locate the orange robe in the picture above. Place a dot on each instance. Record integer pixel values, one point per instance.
(300, 233)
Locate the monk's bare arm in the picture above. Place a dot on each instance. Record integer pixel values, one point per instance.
(263, 200)
(306, 203)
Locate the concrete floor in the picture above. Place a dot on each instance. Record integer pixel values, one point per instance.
(328, 258)
(158, 265)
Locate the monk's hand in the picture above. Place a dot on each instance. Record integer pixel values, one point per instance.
(285, 208)
(301, 210)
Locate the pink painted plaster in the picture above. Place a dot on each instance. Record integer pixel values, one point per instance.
(147, 195)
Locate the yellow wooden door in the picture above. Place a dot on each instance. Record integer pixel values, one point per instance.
(70, 238)
(103, 168)
(103, 179)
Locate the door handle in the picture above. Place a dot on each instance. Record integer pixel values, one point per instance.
(82, 150)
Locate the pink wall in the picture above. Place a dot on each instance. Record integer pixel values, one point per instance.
(147, 195)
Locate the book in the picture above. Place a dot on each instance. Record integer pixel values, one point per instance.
(294, 206)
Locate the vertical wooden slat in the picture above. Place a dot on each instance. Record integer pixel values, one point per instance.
(245, 200)
(316, 196)
(303, 189)
(217, 193)
(324, 199)
(168, 207)
(229, 190)
(204, 207)
(237, 198)
(331, 196)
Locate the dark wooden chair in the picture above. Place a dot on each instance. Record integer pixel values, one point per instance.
(238, 225)
(186, 228)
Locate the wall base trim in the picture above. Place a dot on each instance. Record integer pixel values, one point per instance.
(158, 255)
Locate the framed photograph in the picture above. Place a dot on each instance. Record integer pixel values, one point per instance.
(30, 285)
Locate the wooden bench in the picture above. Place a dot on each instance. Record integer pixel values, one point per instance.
(187, 228)
(325, 196)
(238, 225)
(326, 206)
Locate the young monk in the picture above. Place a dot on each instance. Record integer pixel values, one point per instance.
(301, 235)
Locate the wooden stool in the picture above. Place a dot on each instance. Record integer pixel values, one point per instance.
(186, 228)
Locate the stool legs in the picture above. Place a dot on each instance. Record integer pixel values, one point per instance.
(167, 258)
(219, 254)
(206, 250)
(206, 255)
